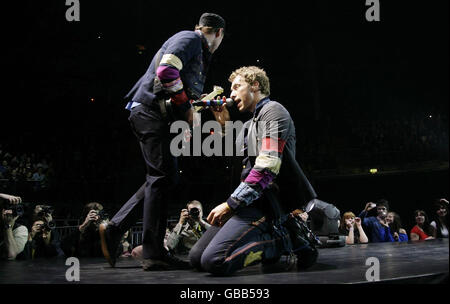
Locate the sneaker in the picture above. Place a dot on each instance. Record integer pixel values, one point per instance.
(280, 264)
(168, 262)
(110, 240)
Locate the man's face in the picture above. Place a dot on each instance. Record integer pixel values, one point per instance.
(381, 211)
(37, 209)
(39, 226)
(241, 93)
(216, 42)
(190, 206)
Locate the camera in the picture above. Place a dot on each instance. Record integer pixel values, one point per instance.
(194, 213)
(17, 209)
(45, 210)
(45, 226)
(102, 214)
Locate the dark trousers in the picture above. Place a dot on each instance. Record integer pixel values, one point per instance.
(245, 239)
(152, 132)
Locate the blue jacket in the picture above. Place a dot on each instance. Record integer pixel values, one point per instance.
(192, 55)
(377, 232)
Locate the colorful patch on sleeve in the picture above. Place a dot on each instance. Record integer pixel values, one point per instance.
(273, 144)
(262, 178)
(172, 60)
(167, 73)
(245, 193)
(268, 162)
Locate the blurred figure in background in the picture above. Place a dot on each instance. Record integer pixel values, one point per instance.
(85, 241)
(440, 218)
(422, 230)
(395, 225)
(13, 235)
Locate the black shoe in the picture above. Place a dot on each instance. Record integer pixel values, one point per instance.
(280, 264)
(109, 240)
(168, 262)
(306, 258)
(303, 242)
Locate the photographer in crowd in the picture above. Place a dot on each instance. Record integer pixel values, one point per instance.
(189, 229)
(85, 241)
(185, 234)
(13, 236)
(43, 212)
(43, 241)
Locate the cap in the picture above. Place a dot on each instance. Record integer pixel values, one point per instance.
(212, 20)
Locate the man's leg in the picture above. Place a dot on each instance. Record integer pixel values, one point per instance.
(111, 233)
(130, 211)
(149, 130)
(195, 254)
(245, 240)
(154, 138)
(152, 133)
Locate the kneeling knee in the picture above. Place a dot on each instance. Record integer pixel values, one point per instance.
(195, 258)
(214, 265)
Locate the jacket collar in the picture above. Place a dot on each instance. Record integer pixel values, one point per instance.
(260, 104)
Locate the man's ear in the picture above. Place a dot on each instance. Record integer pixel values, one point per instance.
(219, 32)
(255, 86)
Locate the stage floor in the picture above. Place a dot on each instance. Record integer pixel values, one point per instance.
(413, 262)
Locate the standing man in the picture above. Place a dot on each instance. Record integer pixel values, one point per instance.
(242, 232)
(175, 76)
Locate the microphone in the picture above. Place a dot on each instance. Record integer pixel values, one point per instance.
(207, 103)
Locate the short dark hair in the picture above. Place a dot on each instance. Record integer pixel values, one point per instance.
(382, 202)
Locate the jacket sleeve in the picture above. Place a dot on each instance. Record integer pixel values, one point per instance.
(174, 237)
(402, 237)
(177, 54)
(274, 128)
(365, 220)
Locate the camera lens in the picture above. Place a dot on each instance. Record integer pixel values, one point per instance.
(194, 212)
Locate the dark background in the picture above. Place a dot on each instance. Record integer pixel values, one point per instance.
(331, 68)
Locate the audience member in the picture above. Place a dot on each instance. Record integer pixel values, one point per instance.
(440, 218)
(125, 246)
(43, 241)
(351, 227)
(376, 226)
(85, 241)
(422, 230)
(185, 234)
(189, 229)
(13, 236)
(395, 225)
(137, 251)
(43, 212)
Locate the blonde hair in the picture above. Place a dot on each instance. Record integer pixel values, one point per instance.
(346, 215)
(195, 203)
(252, 74)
